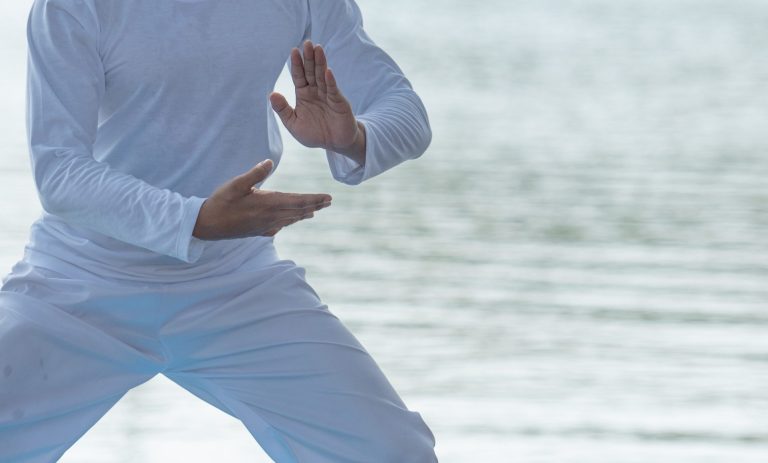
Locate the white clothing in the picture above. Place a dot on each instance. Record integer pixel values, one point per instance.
(136, 112)
(251, 338)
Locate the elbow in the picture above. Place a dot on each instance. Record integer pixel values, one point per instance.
(49, 199)
(48, 173)
(45, 193)
(423, 132)
(424, 141)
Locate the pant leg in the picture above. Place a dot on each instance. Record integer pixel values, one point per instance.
(59, 373)
(265, 349)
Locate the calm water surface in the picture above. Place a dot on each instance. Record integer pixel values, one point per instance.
(576, 271)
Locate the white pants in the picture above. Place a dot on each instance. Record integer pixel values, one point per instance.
(254, 341)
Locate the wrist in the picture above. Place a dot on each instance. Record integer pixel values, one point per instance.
(356, 150)
(202, 229)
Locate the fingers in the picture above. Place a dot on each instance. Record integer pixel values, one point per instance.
(243, 182)
(313, 66)
(332, 89)
(282, 108)
(321, 64)
(299, 207)
(309, 63)
(309, 68)
(299, 213)
(280, 206)
(305, 202)
(286, 222)
(297, 69)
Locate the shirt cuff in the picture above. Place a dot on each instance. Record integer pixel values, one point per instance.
(189, 248)
(349, 171)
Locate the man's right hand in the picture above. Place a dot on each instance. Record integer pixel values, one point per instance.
(237, 209)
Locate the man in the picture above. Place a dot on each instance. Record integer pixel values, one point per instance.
(154, 252)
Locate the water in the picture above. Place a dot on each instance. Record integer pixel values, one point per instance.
(576, 271)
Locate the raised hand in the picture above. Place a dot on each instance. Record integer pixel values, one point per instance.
(323, 116)
(237, 209)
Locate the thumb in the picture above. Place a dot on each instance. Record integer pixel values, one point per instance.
(243, 182)
(281, 107)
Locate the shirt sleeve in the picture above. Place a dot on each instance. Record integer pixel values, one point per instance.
(65, 85)
(383, 100)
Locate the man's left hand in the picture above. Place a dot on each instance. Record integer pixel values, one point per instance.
(323, 116)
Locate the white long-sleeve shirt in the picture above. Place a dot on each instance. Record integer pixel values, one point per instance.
(138, 110)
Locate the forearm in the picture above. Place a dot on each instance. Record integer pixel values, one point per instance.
(93, 195)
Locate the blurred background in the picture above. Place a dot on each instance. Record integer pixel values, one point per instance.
(576, 270)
